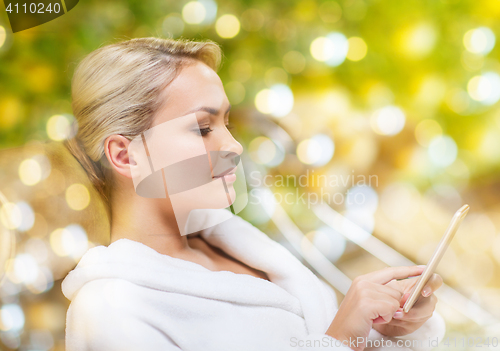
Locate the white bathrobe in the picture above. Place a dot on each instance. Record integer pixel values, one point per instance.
(129, 297)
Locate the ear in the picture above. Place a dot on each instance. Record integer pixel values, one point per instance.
(116, 150)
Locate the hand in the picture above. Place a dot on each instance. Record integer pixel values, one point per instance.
(370, 298)
(406, 323)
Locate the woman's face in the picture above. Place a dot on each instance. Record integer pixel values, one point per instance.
(198, 89)
(191, 145)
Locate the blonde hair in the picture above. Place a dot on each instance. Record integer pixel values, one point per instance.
(116, 89)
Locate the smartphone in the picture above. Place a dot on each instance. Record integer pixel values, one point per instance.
(436, 257)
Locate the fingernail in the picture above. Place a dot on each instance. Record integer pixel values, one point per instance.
(398, 315)
(426, 292)
(421, 265)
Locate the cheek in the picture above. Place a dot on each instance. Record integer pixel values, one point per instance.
(210, 143)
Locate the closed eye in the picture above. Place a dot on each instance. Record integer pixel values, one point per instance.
(205, 131)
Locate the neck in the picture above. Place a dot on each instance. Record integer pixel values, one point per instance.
(148, 221)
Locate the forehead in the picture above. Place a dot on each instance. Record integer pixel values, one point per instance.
(196, 85)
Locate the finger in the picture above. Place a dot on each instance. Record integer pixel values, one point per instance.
(405, 285)
(387, 274)
(404, 299)
(381, 305)
(387, 310)
(422, 311)
(393, 291)
(432, 285)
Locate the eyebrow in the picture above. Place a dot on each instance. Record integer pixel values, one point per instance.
(210, 110)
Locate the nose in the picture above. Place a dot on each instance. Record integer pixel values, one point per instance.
(229, 150)
(229, 146)
(230, 156)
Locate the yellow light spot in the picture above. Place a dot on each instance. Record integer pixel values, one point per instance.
(294, 62)
(489, 147)
(426, 130)
(77, 197)
(418, 41)
(30, 172)
(194, 12)
(262, 101)
(10, 216)
(56, 242)
(357, 49)
(227, 26)
(322, 49)
(308, 151)
(473, 88)
(262, 150)
(388, 120)
(479, 40)
(3, 36)
(275, 75)
(10, 111)
(58, 127)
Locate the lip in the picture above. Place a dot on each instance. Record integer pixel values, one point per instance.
(227, 172)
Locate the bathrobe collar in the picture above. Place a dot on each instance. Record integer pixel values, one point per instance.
(293, 287)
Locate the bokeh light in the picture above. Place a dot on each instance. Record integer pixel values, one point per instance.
(331, 49)
(388, 120)
(442, 151)
(276, 101)
(30, 172)
(59, 127)
(479, 40)
(210, 11)
(485, 88)
(25, 268)
(265, 151)
(11, 317)
(27, 216)
(77, 197)
(426, 130)
(11, 216)
(357, 49)
(227, 26)
(70, 241)
(194, 12)
(316, 151)
(3, 35)
(419, 41)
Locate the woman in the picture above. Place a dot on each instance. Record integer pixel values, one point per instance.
(228, 286)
